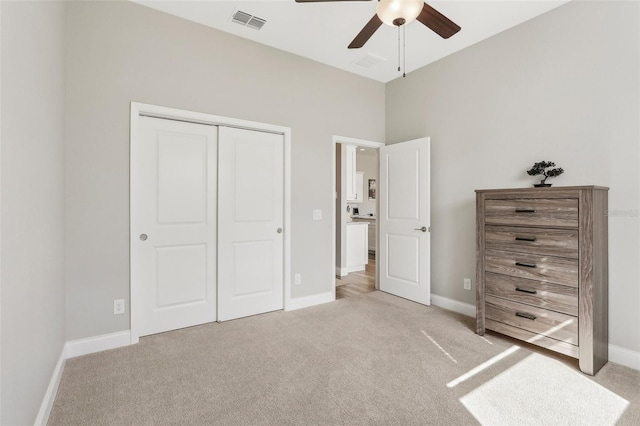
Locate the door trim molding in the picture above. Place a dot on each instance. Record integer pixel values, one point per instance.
(350, 141)
(146, 110)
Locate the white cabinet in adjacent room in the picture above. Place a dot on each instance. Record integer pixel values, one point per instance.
(357, 246)
(372, 236)
(371, 221)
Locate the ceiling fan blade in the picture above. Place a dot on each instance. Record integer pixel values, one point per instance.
(439, 23)
(365, 34)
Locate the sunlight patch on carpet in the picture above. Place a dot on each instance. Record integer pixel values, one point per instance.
(439, 347)
(542, 391)
(483, 366)
(485, 339)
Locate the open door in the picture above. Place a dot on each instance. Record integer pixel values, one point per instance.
(405, 220)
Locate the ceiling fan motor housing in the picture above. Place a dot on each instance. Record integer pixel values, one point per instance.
(399, 12)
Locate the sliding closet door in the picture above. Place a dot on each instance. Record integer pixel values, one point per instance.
(173, 224)
(251, 222)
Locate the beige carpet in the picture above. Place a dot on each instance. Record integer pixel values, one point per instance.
(372, 359)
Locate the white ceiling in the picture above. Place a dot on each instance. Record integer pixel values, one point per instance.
(322, 31)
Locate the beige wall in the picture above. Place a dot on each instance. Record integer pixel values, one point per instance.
(120, 52)
(562, 87)
(31, 229)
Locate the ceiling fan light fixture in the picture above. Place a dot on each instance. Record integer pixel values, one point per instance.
(391, 10)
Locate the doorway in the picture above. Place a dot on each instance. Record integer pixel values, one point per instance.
(403, 228)
(356, 170)
(357, 283)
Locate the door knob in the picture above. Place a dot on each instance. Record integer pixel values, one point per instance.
(279, 230)
(143, 237)
(423, 229)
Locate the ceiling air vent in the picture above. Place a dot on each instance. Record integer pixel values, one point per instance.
(369, 61)
(256, 23)
(247, 20)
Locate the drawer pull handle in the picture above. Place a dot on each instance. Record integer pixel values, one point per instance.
(530, 239)
(528, 265)
(525, 315)
(525, 210)
(526, 290)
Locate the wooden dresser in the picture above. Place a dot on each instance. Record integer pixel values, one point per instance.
(542, 268)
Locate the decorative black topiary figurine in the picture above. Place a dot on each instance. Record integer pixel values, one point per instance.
(541, 169)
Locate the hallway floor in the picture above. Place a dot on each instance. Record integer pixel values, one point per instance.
(357, 283)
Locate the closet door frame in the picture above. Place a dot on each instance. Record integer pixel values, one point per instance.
(146, 110)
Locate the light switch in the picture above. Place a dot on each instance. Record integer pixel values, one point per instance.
(317, 215)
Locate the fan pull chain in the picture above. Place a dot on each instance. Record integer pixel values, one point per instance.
(398, 48)
(404, 52)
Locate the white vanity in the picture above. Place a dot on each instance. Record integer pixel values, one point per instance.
(371, 220)
(357, 246)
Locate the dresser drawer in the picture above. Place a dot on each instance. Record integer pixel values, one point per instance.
(560, 212)
(541, 321)
(548, 269)
(553, 242)
(559, 298)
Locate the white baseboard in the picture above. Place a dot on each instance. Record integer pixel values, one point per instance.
(72, 349)
(52, 390)
(94, 344)
(453, 305)
(341, 272)
(624, 356)
(305, 302)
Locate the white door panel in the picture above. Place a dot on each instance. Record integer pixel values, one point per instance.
(173, 223)
(182, 183)
(404, 214)
(251, 212)
(402, 267)
(255, 173)
(251, 281)
(186, 265)
(403, 188)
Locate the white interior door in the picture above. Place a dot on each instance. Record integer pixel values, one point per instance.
(251, 217)
(405, 221)
(173, 224)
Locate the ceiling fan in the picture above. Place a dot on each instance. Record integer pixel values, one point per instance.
(398, 13)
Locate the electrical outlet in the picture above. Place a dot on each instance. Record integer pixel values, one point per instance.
(317, 215)
(467, 283)
(118, 306)
(297, 279)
